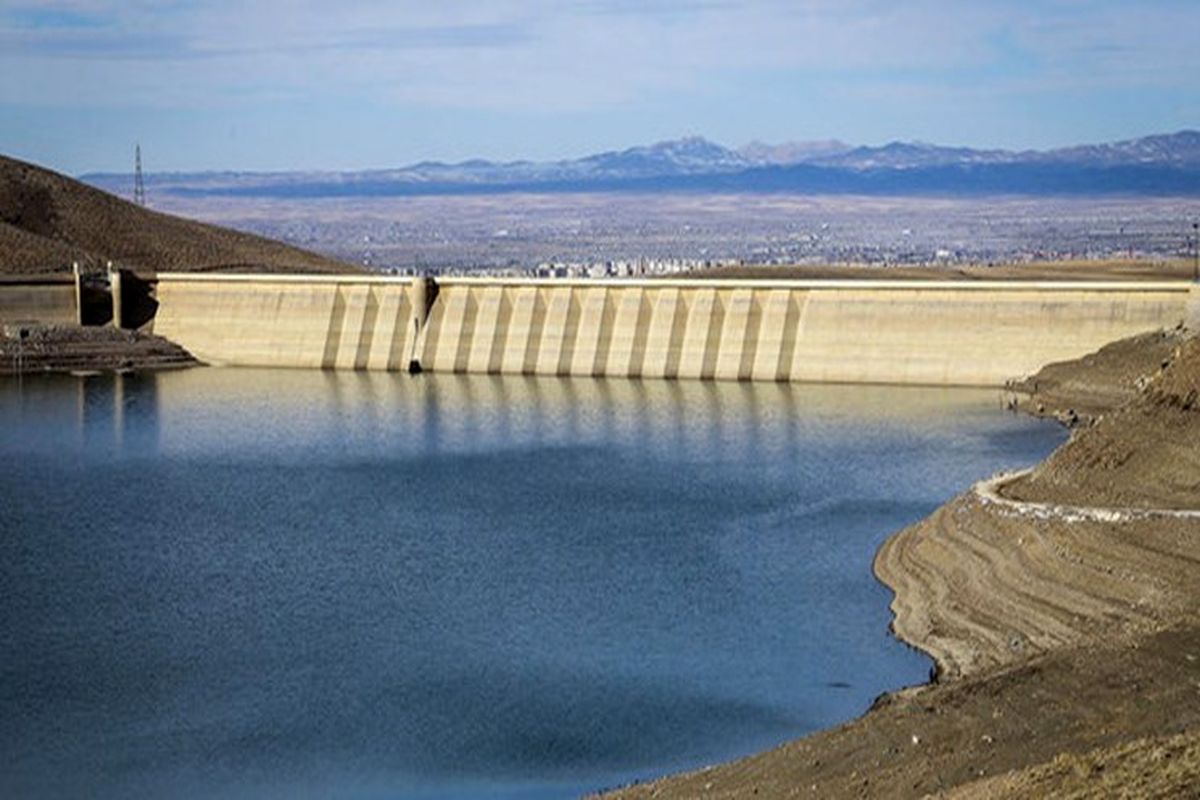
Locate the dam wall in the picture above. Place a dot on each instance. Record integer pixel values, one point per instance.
(42, 299)
(918, 332)
(289, 321)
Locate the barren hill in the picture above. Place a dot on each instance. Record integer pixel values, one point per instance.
(48, 220)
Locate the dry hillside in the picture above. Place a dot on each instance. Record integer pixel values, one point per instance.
(1145, 454)
(48, 220)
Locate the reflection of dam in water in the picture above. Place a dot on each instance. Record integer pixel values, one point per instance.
(92, 410)
(434, 412)
(923, 332)
(423, 413)
(438, 411)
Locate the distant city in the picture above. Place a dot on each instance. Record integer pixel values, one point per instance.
(589, 235)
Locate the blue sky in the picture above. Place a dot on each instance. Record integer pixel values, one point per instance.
(343, 84)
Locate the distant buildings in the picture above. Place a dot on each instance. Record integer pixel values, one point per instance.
(601, 236)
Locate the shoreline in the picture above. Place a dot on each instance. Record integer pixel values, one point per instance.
(1043, 618)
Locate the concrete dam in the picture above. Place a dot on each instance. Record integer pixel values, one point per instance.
(46, 299)
(978, 333)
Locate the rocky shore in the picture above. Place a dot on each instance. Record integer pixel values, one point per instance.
(26, 349)
(1062, 607)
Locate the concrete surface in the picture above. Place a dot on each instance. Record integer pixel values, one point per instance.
(45, 300)
(941, 333)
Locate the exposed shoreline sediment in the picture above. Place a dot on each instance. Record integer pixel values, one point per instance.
(982, 584)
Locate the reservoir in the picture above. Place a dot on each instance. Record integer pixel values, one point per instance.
(276, 584)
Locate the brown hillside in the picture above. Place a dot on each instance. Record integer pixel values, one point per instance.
(1145, 454)
(48, 220)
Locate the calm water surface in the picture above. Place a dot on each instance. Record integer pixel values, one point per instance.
(277, 584)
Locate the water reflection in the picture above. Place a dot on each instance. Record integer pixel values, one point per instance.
(90, 413)
(362, 414)
(374, 412)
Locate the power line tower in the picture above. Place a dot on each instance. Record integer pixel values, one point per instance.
(139, 186)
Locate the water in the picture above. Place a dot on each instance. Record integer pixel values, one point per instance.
(238, 583)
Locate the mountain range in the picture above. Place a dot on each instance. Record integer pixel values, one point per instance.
(1166, 164)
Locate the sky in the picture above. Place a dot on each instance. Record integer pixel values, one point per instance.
(351, 84)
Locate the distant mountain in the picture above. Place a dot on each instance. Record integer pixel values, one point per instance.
(1172, 150)
(764, 154)
(692, 155)
(1162, 164)
(911, 155)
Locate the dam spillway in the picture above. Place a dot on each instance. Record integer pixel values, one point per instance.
(978, 333)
